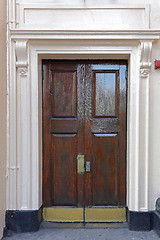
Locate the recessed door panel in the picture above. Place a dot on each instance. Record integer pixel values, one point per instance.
(64, 94)
(64, 153)
(104, 169)
(61, 125)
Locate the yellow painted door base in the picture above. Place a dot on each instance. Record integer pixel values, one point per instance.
(94, 214)
(54, 214)
(105, 214)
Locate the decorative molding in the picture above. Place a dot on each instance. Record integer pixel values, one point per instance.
(148, 35)
(145, 62)
(13, 167)
(22, 72)
(144, 72)
(21, 54)
(21, 58)
(72, 50)
(77, 15)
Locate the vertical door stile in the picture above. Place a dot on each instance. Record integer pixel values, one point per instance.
(122, 135)
(80, 116)
(88, 134)
(47, 191)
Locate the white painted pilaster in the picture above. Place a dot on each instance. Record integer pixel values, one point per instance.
(23, 126)
(12, 132)
(36, 131)
(145, 64)
(133, 131)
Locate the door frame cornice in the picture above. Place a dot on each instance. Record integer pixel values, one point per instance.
(73, 34)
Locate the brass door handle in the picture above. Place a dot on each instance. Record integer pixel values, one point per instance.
(80, 164)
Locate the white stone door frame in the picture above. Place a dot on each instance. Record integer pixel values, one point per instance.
(26, 50)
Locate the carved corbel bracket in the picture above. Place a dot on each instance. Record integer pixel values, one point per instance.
(22, 57)
(145, 62)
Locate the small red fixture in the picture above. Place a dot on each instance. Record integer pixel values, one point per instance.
(157, 64)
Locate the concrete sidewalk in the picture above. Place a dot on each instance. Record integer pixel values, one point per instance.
(46, 233)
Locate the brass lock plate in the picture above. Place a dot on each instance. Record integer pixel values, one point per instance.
(80, 164)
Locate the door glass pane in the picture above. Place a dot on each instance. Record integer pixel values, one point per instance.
(105, 94)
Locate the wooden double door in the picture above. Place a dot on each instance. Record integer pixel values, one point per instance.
(84, 136)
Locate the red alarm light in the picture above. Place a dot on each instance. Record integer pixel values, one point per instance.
(157, 64)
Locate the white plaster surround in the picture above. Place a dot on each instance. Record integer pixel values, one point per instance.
(27, 46)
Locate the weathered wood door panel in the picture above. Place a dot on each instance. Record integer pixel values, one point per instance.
(84, 113)
(62, 134)
(105, 133)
